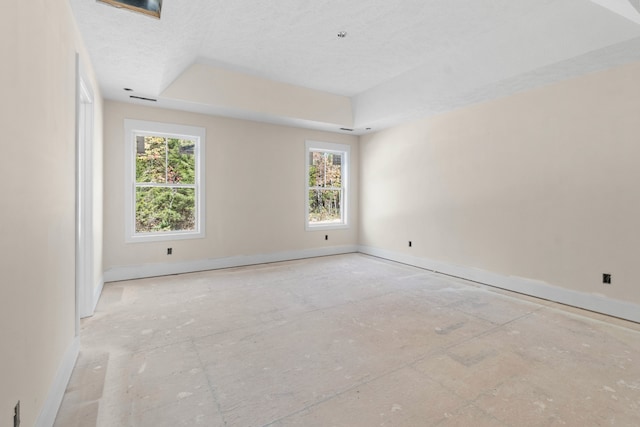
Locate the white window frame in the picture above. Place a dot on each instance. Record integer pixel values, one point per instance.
(345, 151)
(141, 127)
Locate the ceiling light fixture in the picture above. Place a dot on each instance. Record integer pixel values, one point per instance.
(147, 7)
(342, 34)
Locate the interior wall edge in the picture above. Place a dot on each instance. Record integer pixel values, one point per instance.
(531, 287)
(56, 392)
(131, 272)
(97, 291)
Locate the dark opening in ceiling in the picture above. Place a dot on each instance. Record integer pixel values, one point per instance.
(148, 7)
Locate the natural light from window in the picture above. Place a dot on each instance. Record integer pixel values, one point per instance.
(326, 184)
(165, 184)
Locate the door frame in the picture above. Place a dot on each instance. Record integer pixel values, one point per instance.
(84, 272)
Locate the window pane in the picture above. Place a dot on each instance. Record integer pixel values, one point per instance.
(181, 165)
(165, 209)
(325, 169)
(325, 206)
(151, 160)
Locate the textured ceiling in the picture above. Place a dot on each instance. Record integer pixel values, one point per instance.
(400, 59)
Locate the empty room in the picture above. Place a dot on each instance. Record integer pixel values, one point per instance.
(320, 213)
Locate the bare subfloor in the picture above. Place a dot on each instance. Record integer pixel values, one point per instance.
(346, 341)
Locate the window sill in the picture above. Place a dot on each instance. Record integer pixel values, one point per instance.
(164, 237)
(329, 226)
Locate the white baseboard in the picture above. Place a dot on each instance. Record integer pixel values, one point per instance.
(56, 392)
(538, 289)
(152, 270)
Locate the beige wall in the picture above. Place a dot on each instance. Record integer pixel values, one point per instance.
(255, 176)
(542, 185)
(223, 88)
(39, 41)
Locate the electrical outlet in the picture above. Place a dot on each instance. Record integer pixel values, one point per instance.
(16, 415)
(606, 278)
(409, 243)
(169, 251)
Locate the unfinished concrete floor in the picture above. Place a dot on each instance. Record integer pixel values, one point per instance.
(346, 340)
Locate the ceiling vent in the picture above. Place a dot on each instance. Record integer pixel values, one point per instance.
(148, 7)
(142, 98)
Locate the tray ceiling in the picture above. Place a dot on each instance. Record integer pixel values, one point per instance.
(400, 58)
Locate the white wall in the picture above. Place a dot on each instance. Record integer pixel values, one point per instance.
(38, 41)
(255, 177)
(542, 185)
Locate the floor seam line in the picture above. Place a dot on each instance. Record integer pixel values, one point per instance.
(211, 386)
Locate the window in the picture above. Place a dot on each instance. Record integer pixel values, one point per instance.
(164, 181)
(326, 185)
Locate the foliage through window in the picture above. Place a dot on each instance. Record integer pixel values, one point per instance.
(326, 184)
(167, 183)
